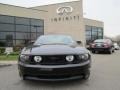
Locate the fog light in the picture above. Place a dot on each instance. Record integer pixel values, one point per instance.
(37, 59)
(70, 58)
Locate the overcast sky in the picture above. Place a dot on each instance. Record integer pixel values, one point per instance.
(106, 10)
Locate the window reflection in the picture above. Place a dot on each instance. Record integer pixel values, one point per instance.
(19, 30)
(93, 33)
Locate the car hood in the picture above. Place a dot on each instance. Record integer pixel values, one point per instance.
(54, 50)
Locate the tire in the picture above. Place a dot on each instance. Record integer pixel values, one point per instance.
(93, 51)
(86, 75)
(110, 51)
(113, 51)
(22, 77)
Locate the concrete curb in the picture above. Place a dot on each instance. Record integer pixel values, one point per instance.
(5, 65)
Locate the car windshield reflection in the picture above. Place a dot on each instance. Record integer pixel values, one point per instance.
(54, 39)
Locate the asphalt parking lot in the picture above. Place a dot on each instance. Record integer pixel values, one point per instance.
(105, 75)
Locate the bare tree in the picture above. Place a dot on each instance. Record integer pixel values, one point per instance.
(118, 39)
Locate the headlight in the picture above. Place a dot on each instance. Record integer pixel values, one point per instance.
(84, 56)
(24, 57)
(70, 58)
(37, 59)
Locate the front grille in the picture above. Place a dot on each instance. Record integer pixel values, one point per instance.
(54, 60)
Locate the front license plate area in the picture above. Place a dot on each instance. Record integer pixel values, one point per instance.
(99, 45)
(46, 69)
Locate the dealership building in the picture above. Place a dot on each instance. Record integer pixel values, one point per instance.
(19, 25)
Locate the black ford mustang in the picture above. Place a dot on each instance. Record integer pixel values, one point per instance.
(54, 58)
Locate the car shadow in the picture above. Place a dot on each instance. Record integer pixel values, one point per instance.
(103, 53)
(57, 84)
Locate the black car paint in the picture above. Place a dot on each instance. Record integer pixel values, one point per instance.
(54, 73)
(54, 50)
(73, 71)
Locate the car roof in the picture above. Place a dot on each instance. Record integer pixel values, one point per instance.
(101, 40)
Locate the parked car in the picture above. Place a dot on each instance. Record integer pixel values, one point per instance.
(116, 46)
(54, 58)
(105, 45)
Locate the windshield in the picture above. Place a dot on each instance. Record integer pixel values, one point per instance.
(100, 41)
(54, 39)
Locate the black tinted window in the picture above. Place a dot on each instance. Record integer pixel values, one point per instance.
(24, 21)
(6, 19)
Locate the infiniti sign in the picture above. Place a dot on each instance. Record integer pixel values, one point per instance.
(64, 10)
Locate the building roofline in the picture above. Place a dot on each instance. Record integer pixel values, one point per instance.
(55, 4)
(23, 7)
(94, 20)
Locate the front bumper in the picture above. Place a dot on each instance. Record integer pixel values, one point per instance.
(54, 73)
(100, 49)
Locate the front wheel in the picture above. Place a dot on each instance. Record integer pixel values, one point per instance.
(22, 77)
(113, 51)
(93, 51)
(110, 51)
(86, 75)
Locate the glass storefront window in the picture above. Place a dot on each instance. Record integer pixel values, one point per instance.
(88, 32)
(97, 33)
(88, 37)
(23, 21)
(22, 35)
(39, 34)
(7, 27)
(36, 22)
(100, 33)
(100, 30)
(7, 43)
(34, 28)
(6, 19)
(3, 35)
(22, 28)
(20, 42)
(94, 33)
(99, 37)
(34, 36)
(94, 38)
(2, 43)
(94, 29)
(19, 30)
(40, 29)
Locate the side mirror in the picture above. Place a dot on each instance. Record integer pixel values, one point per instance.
(79, 42)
